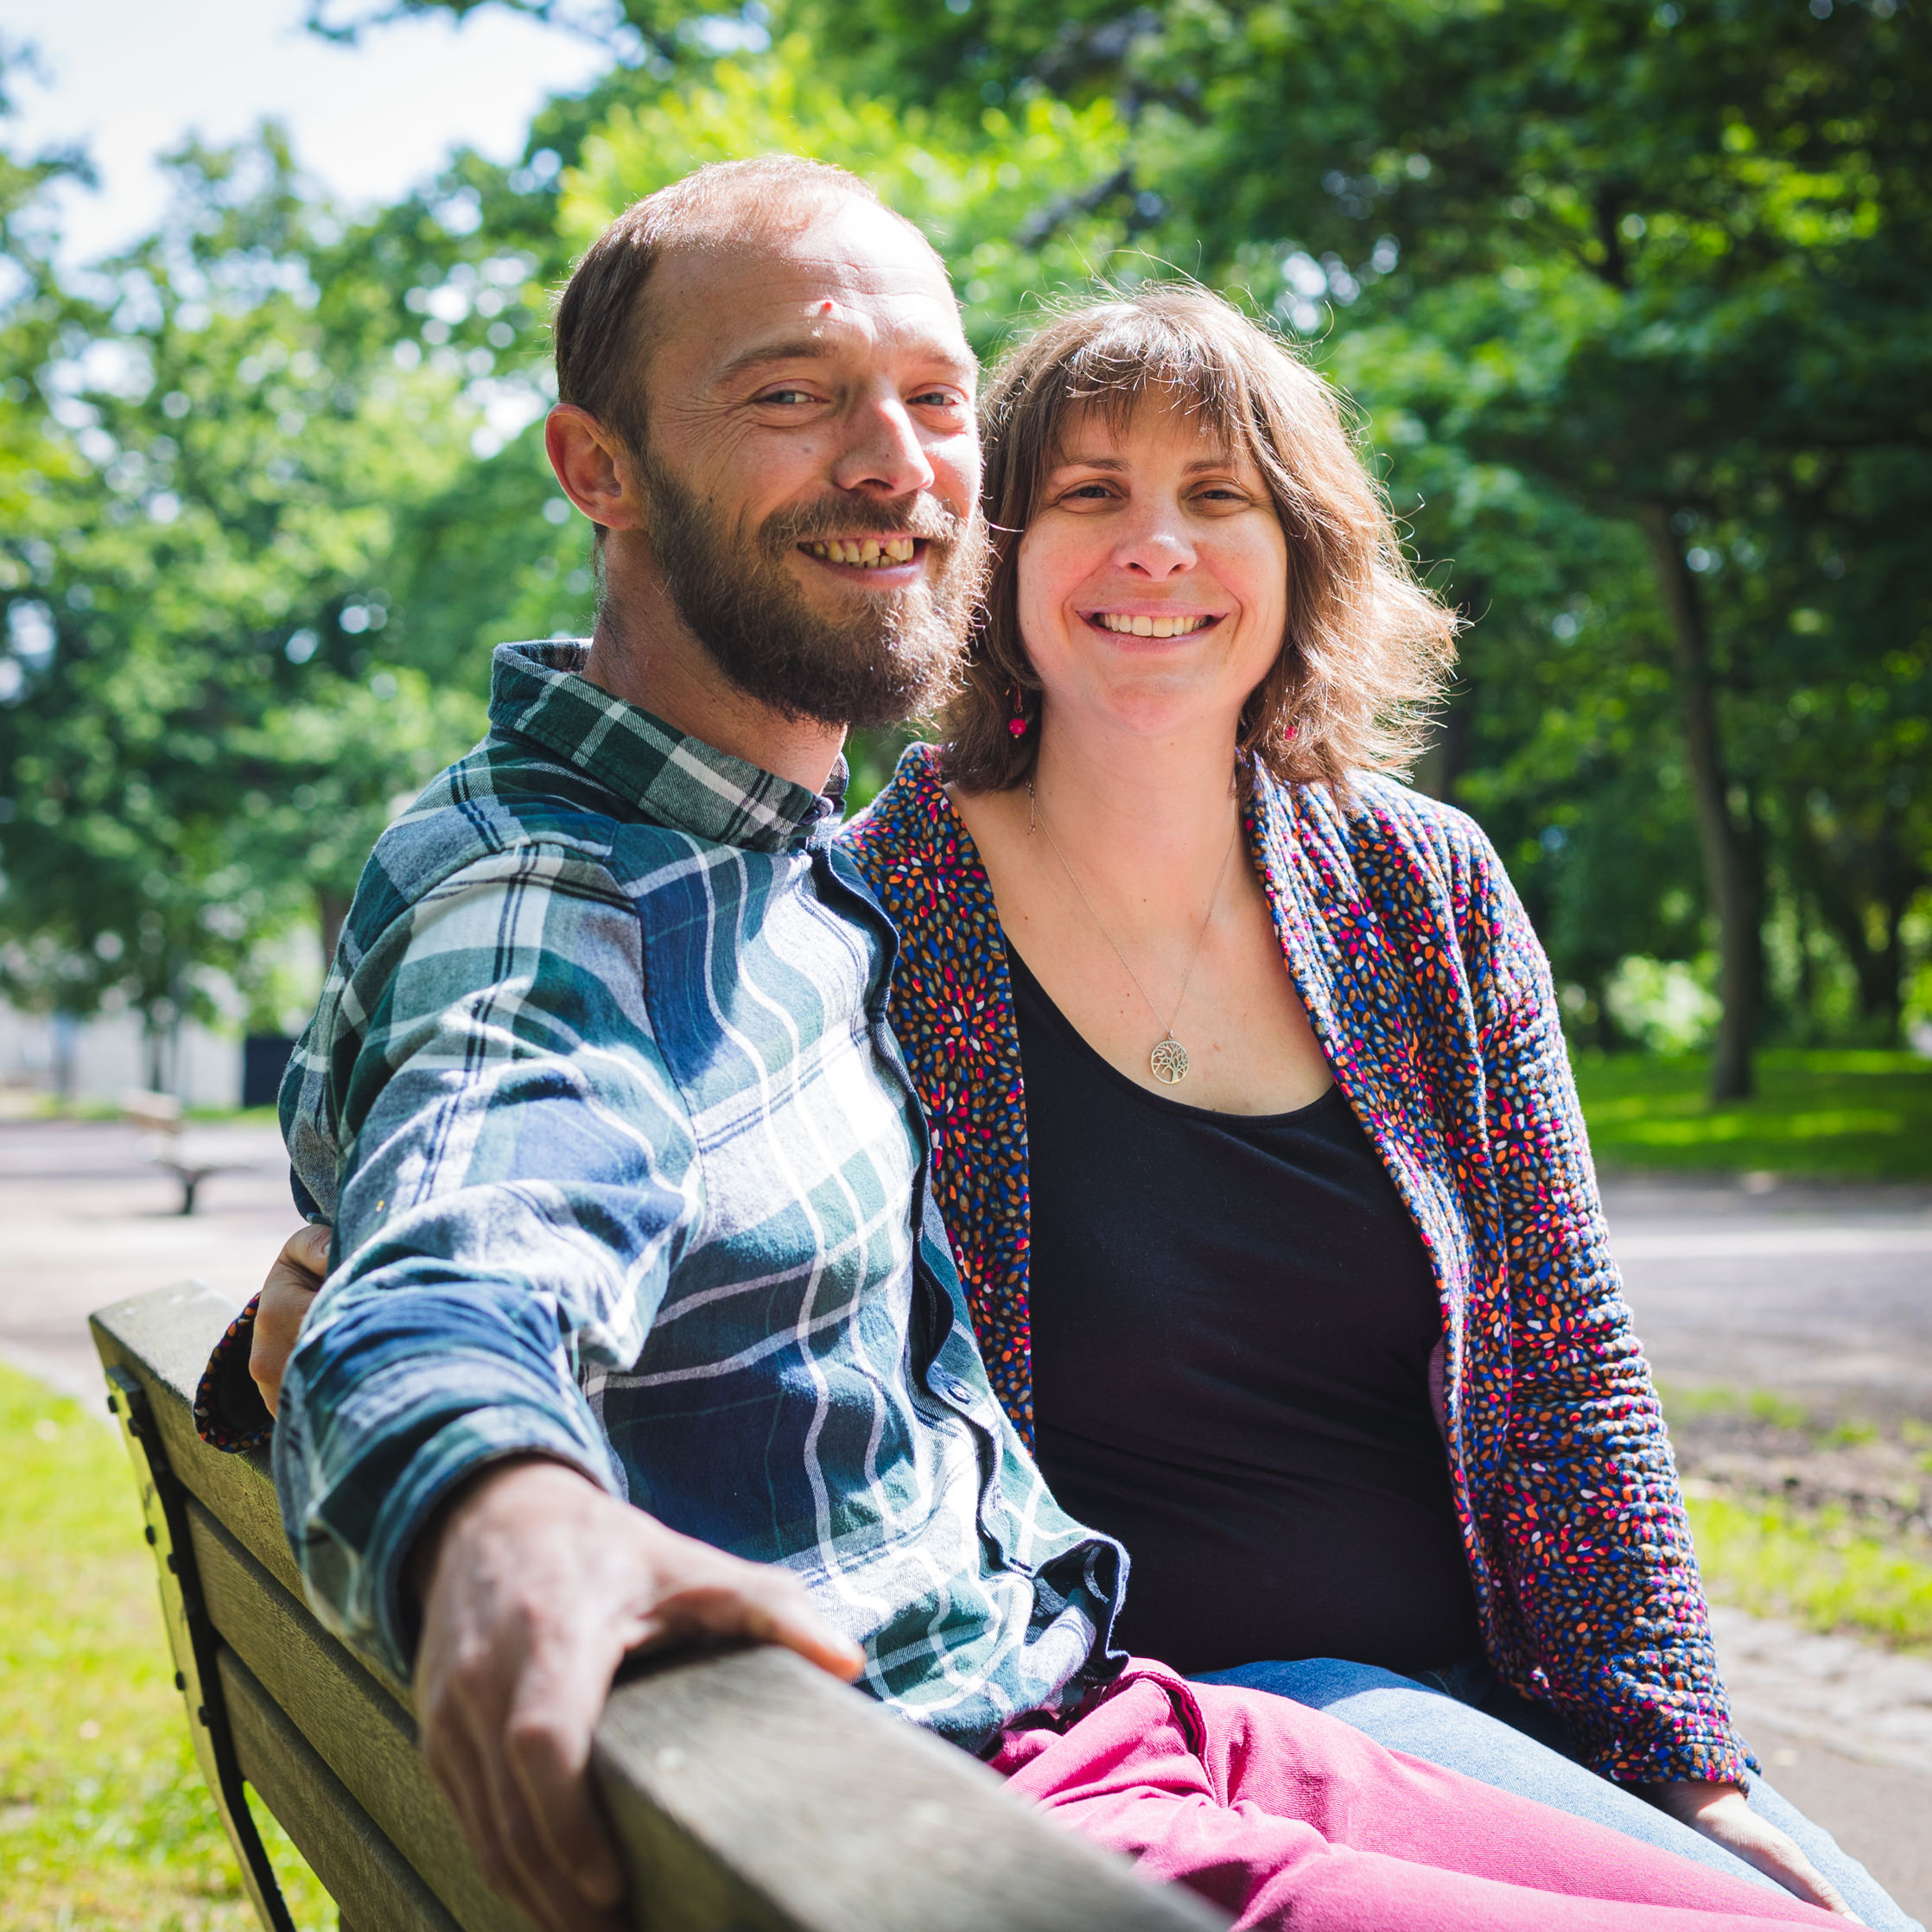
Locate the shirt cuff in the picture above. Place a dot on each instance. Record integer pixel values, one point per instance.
(359, 1584)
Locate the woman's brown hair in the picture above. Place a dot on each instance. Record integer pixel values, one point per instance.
(1365, 648)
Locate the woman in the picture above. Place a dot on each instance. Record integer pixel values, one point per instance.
(1297, 1280)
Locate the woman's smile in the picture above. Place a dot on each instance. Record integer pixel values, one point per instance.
(1143, 622)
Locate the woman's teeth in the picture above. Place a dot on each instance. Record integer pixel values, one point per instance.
(869, 553)
(1149, 626)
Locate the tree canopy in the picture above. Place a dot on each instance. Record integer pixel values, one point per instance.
(1628, 298)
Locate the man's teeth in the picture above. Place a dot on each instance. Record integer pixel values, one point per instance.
(869, 553)
(1149, 626)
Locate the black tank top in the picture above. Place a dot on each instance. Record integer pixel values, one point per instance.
(1232, 1321)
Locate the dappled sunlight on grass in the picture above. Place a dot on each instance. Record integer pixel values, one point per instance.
(104, 1823)
(1815, 1570)
(1853, 1115)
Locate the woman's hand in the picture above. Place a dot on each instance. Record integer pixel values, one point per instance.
(1723, 1814)
(286, 1296)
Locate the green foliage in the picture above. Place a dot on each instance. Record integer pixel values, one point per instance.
(1585, 265)
(270, 484)
(106, 1819)
(983, 188)
(245, 591)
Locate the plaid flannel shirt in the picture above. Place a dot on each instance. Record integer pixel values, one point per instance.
(626, 1167)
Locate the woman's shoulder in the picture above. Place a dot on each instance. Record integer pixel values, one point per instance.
(912, 793)
(1380, 822)
(1414, 858)
(910, 830)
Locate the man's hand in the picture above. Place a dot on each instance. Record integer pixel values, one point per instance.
(286, 1295)
(534, 1585)
(1723, 1814)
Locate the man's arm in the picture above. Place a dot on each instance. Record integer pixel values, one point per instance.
(520, 1177)
(535, 1586)
(521, 1182)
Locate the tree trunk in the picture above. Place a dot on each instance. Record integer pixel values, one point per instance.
(1849, 886)
(1879, 970)
(1729, 875)
(331, 908)
(1807, 970)
(1440, 769)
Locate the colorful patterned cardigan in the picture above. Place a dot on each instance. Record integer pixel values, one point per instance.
(1433, 1000)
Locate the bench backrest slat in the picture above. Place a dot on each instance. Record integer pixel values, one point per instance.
(369, 1881)
(356, 1728)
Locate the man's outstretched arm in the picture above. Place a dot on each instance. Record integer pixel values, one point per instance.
(534, 1585)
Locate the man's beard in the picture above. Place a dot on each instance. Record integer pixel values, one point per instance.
(887, 657)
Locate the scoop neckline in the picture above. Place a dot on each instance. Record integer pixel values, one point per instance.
(1016, 965)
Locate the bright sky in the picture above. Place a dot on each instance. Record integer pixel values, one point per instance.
(131, 77)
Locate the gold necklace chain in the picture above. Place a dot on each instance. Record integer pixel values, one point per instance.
(1168, 1061)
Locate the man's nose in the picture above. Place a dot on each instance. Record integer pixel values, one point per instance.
(882, 454)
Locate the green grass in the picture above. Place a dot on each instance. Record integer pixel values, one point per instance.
(1813, 1570)
(1845, 1115)
(105, 1823)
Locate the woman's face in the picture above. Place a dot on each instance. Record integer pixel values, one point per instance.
(1153, 578)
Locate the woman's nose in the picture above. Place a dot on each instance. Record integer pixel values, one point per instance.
(1155, 544)
(882, 454)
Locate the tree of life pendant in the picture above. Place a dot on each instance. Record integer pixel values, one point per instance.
(1169, 1061)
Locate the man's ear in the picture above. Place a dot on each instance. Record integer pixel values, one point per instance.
(594, 469)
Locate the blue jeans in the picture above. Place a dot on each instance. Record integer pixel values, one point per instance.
(1466, 1720)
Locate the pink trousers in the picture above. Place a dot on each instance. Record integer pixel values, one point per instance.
(1283, 1816)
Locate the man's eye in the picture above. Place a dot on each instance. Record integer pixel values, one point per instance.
(938, 399)
(787, 395)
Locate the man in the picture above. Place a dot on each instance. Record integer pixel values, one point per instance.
(641, 1323)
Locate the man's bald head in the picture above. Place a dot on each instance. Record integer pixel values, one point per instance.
(602, 330)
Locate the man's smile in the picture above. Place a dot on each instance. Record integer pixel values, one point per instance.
(884, 562)
(869, 553)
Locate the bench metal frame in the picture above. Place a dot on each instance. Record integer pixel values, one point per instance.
(746, 1791)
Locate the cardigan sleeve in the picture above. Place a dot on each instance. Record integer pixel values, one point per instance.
(1585, 1517)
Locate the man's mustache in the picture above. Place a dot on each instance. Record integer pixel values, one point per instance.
(812, 523)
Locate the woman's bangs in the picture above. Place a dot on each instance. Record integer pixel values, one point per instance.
(1125, 370)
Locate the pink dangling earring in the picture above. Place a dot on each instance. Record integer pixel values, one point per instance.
(1017, 724)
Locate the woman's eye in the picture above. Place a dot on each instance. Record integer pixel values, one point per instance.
(1091, 492)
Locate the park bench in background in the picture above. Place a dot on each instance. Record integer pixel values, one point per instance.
(189, 1154)
(747, 1791)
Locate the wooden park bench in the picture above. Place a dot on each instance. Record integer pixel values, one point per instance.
(746, 1791)
(190, 1154)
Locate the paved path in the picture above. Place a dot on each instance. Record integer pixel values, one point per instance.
(1823, 1294)
(1826, 1295)
(87, 1217)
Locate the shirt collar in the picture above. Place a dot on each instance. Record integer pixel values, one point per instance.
(537, 692)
